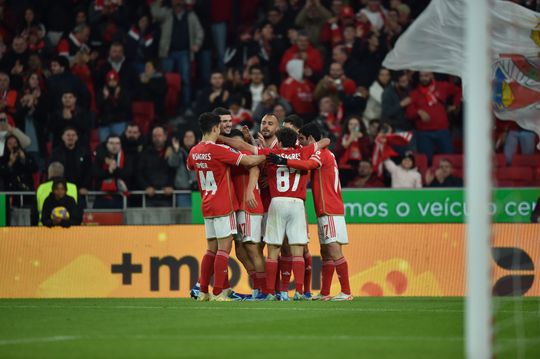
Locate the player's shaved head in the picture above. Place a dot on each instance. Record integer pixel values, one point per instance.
(287, 137)
(207, 121)
(269, 125)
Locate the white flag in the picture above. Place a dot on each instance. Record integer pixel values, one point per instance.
(436, 42)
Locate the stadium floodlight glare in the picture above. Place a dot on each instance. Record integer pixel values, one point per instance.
(478, 144)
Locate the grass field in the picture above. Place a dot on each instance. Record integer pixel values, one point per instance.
(182, 328)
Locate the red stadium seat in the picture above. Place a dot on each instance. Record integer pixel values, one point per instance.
(421, 164)
(515, 176)
(526, 161)
(499, 160)
(143, 114)
(456, 160)
(174, 85)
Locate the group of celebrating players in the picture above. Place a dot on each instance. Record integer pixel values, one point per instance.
(253, 193)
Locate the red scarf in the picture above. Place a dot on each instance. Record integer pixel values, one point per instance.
(429, 93)
(383, 149)
(110, 184)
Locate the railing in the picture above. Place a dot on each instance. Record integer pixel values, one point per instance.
(92, 194)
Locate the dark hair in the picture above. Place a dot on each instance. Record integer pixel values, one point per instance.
(287, 137)
(396, 75)
(294, 120)
(69, 128)
(112, 135)
(62, 61)
(311, 129)
(133, 124)
(58, 181)
(236, 133)
(346, 124)
(410, 156)
(221, 111)
(207, 121)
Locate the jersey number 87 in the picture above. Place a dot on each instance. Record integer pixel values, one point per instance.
(283, 181)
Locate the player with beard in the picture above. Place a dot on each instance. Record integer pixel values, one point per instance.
(330, 212)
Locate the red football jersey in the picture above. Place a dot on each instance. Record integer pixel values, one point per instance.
(212, 164)
(240, 178)
(284, 181)
(265, 191)
(325, 185)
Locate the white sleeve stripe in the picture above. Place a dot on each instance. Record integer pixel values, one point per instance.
(239, 159)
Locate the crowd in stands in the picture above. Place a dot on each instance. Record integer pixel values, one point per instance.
(76, 74)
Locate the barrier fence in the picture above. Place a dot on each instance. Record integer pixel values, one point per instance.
(163, 261)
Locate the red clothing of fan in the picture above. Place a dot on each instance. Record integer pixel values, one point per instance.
(211, 162)
(299, 94)
(313, 58)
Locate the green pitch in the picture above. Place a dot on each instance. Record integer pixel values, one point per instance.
(181, 328)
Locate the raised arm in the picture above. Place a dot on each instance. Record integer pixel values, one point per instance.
(304, 165)
(238, 144)
(252, 160)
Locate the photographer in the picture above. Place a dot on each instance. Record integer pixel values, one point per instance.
(16, 167)
(335, 84)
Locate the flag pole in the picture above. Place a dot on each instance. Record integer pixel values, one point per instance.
(478, 148)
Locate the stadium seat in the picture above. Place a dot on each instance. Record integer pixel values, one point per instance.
(94, 140)
(499, 160)
(143, 114)
(421, 164)
(174, 85)
(515, 176)
(457, 160)
(526, 161)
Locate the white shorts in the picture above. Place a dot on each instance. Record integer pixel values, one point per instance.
(249, 227)
(220, 227)
(263, 223)
(332, 229)
(286, 215)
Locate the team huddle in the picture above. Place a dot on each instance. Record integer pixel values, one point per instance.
(253, 195)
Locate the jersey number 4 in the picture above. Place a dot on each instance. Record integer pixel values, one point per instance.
(283, 179)
(208, 183)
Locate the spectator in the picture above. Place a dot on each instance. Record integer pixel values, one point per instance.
(255, 88)
(204, 56)
(117, 61)
(114, 107)
(374, 104)
(61, 81)
(333, 30)
(329, 119)
(303, 50)
(271, 49)
(429, 113)
(140, 43)
(16, 61)
(365, 177)
(513, 135)
(269, 100)
(405, 175)
(312, 19)
(154, 172)
(443, 176)
(29, 23)
(184, 179)
(279, 111)
(375, 13)
(220, 16)
(7, 128)
(371, 55)
(54, 171)
(244, 52)
(335, 85)
(60, 209)
(75, 42)
(355, 146)
(75, 158)
(395, 100)
(181, 38)
(275, 18)
(133, 143)
(350, 66)
(16, 167)
(8, 97)
(73, 116)
(112, 170)
(32, 116)
(297, 90)
(107, 19)
(214, 96)
(152, 87)
(240, 115)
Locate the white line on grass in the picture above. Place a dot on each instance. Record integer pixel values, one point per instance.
(57, 338)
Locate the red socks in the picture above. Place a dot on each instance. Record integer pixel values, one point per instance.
(307, 276)
(327, 274)
(285, 267)
(207, 269)
(342, 271)
(220, 271)
(260, 281)
(271, 272)
(299, 269)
